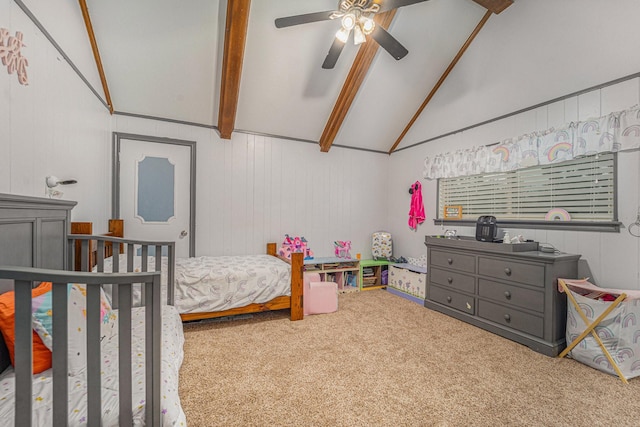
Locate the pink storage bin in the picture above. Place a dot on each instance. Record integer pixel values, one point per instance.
(319, 297)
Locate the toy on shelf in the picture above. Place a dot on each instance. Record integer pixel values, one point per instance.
(294, 245)
(381, 245)
(342, 248)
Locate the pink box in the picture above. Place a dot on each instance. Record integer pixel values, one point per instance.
(319, 297)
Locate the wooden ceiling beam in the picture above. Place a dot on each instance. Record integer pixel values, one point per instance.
(96, 53)
(235, 36)
(444, 76)
(495, 6)
(352, 83)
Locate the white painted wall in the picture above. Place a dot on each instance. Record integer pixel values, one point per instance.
(534, 51)
(53, 126)
(250, 190)
(613, 258)
(253, 189)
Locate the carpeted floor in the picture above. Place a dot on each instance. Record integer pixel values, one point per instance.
(382, 360)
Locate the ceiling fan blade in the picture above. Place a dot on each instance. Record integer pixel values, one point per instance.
(389, 43)
(333, 55)
(386, 5)
(303, 19)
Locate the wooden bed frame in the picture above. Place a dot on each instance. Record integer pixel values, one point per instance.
(293, 302)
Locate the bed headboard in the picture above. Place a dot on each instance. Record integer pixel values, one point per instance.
(33, 233)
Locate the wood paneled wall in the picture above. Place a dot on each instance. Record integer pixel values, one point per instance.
(254, 189)
(612, 259)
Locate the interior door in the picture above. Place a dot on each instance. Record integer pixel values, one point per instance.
(155, 192)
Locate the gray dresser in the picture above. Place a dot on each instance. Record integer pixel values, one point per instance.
(495, 287)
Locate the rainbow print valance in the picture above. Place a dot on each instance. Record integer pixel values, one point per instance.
(613, 132)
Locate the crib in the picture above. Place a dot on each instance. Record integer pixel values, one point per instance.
(143, 346)
(88, 253)
(24, 279)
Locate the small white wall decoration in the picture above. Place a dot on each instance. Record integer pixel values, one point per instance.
(11, 56)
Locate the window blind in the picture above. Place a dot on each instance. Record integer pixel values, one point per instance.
(584, 187)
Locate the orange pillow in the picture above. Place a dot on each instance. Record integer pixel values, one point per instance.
(41, 354)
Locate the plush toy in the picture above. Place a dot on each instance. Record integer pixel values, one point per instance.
(308, 253)
(294, 244)
(342, 248)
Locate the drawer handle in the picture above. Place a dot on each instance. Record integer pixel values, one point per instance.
(449, 261)
(507, 271)
(448, 299)
(507, 318)
(450, 280)
(507, 295)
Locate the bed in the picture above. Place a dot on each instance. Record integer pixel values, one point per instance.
(110, 364)
(207, 287)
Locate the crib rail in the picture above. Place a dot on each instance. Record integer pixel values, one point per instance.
(93, 249)
(24, 279)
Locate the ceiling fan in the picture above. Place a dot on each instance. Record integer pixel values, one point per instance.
(356, 16)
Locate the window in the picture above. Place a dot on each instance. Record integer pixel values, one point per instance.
(583, 187)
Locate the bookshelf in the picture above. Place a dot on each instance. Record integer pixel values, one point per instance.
(372, 274)
(343, 271)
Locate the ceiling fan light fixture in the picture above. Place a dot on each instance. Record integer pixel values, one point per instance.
(349, 21)
(343, 34)
(367, 24)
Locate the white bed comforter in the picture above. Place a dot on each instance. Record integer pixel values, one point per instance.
(172, 355)
(206, 283)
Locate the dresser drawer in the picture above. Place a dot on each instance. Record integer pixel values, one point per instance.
(452, 260)
(515, 271)
(454, 280)
(511, 295)
(527, 323)
(452, 299)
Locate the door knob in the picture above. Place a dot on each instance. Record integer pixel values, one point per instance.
(183, 234)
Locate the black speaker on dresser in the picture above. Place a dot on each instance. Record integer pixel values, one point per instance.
(486, 228)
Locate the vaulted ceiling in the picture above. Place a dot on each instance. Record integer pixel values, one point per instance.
(225, 65)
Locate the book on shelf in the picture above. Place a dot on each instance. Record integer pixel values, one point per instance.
(350, 279)
(369, 281)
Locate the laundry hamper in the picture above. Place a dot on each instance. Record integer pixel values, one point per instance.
(603, 329)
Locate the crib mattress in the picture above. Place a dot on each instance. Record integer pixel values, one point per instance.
(172, 355)
(206, 284)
